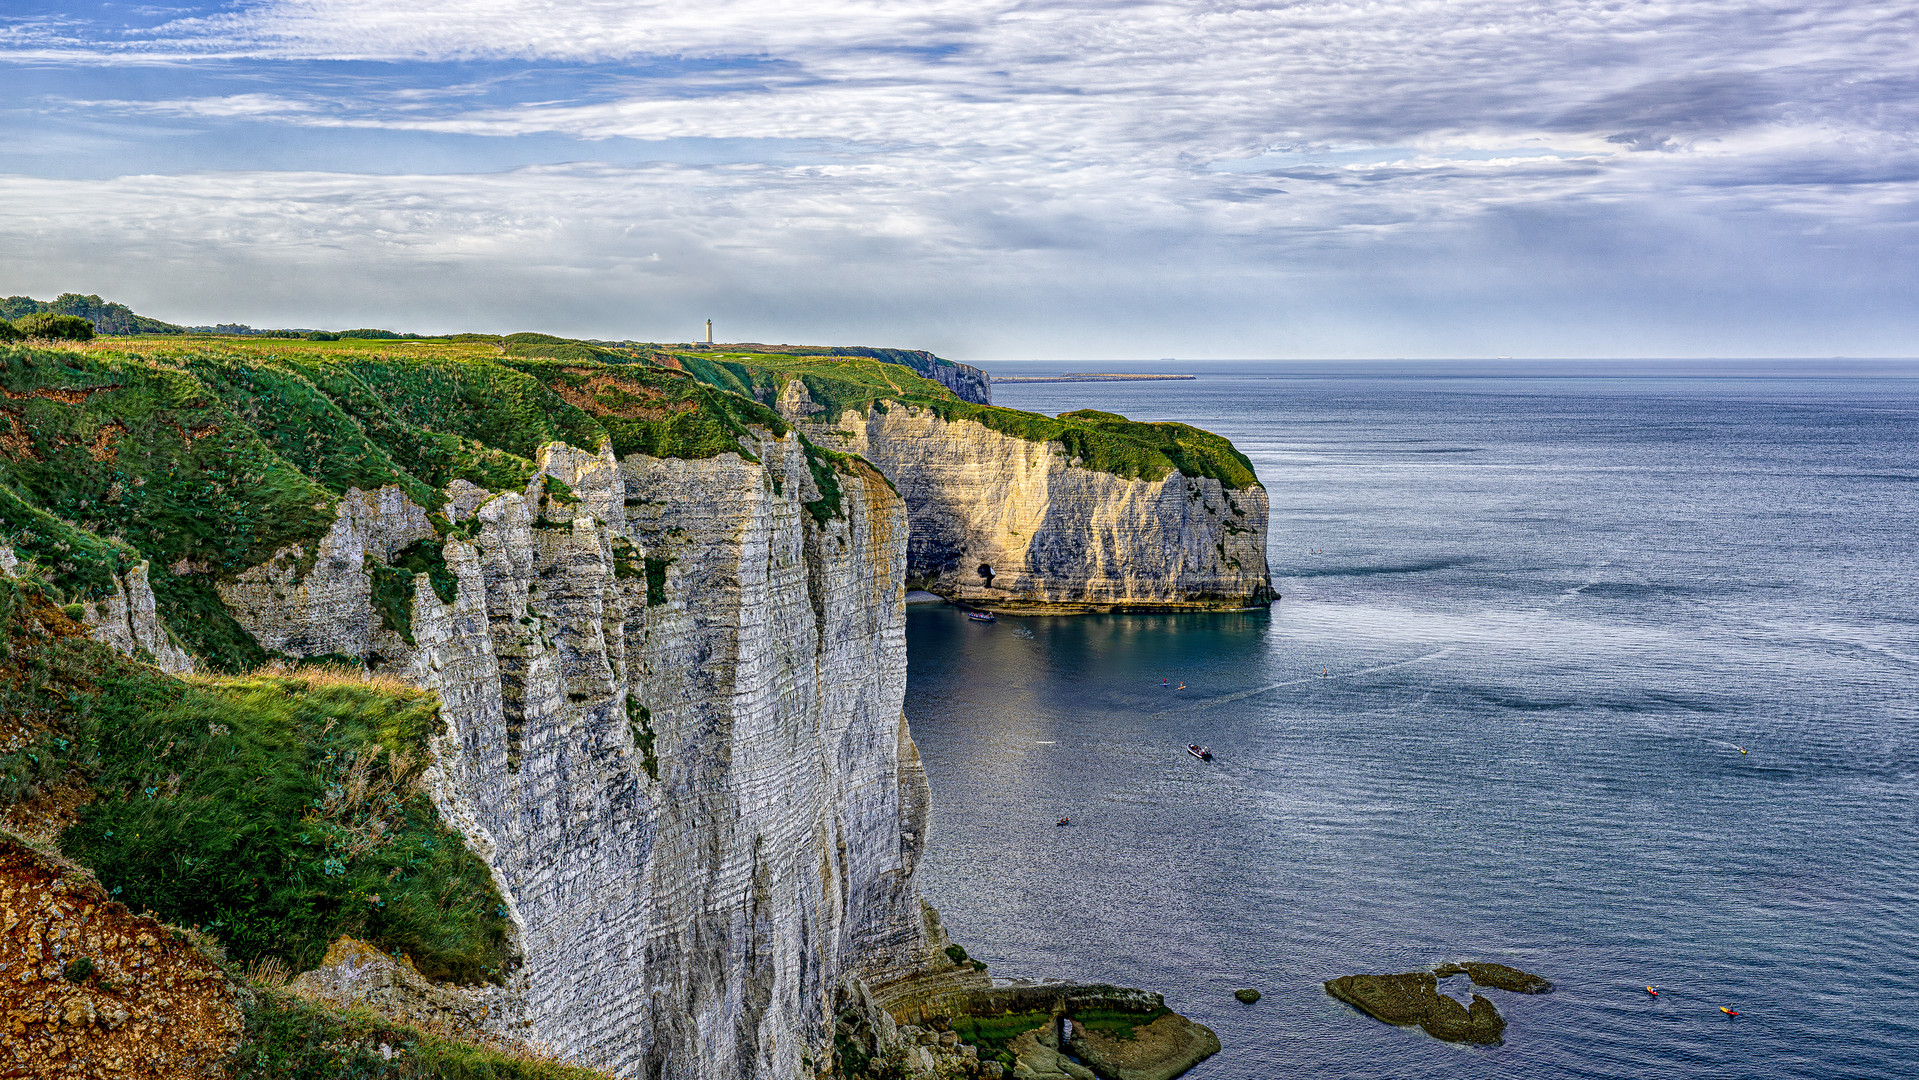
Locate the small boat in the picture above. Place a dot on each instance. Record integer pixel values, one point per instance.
(1651, 991)
(1199, 751)
(981, 616)
(1727, 1010)
(1064, 821)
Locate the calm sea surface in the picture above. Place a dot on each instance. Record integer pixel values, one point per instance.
(1528, 625)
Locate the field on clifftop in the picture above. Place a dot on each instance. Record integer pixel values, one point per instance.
(204, 455)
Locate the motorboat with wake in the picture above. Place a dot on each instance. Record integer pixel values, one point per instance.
(1199, 751)
(981, 616)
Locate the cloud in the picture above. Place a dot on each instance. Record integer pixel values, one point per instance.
(1103, 154)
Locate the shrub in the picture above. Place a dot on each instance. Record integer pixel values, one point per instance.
(291, 1039)
(9, 332)
(46, 324)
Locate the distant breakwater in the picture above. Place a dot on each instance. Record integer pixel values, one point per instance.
(1084, 378)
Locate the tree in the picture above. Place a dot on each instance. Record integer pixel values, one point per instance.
(46, 324)
(8, 332)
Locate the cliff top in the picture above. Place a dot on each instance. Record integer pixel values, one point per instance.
(1101, 441)
(204, 455)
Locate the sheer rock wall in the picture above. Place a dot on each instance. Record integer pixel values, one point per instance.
(704, 811)
(1003, 522)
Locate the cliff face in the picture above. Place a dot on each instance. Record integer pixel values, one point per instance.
(1006, 522)
(672, 699)
(670, 671)
(966, 382)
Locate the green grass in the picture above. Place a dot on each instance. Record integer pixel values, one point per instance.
(303, 424)
(656, 580)
(393, 584)
(290, 1039)
(80, 564)
(1115, 1022)
(275, 811)
(639, 721)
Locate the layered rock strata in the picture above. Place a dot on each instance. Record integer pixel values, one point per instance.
(672, 697)
(1010, 524)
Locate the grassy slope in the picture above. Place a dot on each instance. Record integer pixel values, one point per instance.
(205, 455)
(291, 1039)
(276, 811)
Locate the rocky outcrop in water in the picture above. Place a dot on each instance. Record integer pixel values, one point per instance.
(1008, 523)
(1121, 1033)
(1413, 998)
(1160, 1049)
(673, 729)
(1498, 976)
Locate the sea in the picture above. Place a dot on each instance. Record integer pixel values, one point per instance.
(1606, 671)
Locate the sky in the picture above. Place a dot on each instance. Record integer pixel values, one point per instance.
(991, 180)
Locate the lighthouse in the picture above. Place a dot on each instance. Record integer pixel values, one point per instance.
(709, 331)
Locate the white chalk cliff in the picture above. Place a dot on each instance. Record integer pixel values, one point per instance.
(704, 811)
(1006, 522)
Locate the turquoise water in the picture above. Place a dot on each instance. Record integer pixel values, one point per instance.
(1527, 626)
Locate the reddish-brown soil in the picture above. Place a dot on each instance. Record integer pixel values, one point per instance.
(89, 989)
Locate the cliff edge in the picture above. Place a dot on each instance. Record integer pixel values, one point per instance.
(1014, 511)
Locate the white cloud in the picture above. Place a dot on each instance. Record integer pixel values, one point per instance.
(1095, 152)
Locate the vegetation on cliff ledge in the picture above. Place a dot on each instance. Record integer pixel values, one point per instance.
(288, 1038)
(275, 812)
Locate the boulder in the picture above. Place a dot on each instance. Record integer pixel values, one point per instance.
(354, 973)
(1247, 995)
(1037, 1057)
